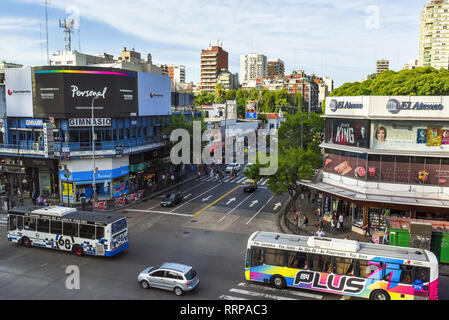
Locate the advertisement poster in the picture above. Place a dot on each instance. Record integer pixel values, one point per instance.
(434, 136)
(445, 138)
(351, 133)
(422, 136)
(251, 109)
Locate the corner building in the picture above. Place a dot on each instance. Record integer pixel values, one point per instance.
(385, 156)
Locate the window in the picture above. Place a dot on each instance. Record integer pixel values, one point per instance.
(87, 231)
(19, 223)
(12, 223)
(406, 274)
(29, 224)
(344, 266)
(275, 257)
(56, 227)
(159, 273)
(297, 260)
(367, 269)
(43, 225)
(320, 263)
(173, 275)
(421, 274)
(257, 257)
(99, 232)
(70, 229)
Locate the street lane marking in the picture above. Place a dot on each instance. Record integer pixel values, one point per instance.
(211, 204)
(236, 207)
(259, 295)
(161, 212)
(226, 297)
(241, 180)
(265, 181)
(259, 210)
(279, 291)
(196, 197)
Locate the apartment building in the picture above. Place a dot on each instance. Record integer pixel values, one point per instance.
(275, 68)
(213, 60)
(253, 66)
(382, 65)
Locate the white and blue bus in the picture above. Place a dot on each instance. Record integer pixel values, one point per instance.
(81, 232)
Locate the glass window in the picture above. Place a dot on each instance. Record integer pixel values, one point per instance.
(159, 273)
(118, 226)
(120, 134)
(29, 224)
(432, 169)
(406, 274)
(74, 136)
(56, 227)
(20, 223)
(275, 257)
(173, 275)
(344, 266)
(402, 169)
(421, 274)
(297, 260)
(12, 222)
(417, 165)
(127, 133)
(387, 168)
(70, 229)
(373, 171)
(43, 225)
(257, 257)
(321, 263)
(190, 274)
(100, 232)
(443, 173)
(367, 268)
(87, 231)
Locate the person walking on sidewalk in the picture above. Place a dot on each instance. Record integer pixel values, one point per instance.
(320, 233)
(305, 221)
(333, 221)
(340, 222)
(367, 229)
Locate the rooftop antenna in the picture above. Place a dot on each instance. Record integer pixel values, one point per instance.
(46, 3)
(67, 25)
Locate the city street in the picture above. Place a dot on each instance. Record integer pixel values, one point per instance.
(208, 230)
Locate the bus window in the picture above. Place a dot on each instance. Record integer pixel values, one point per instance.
(366, 269)
(12, 223)
(87, 231)
(315, 263)
(56, 227)
(43, 225)
(344, 266)
(297, 260)
(20, 223)
(421, 274)
(326, 265)
(275, 257)
(406, 274)
(29, 223)
(100, 232)
(257, 257)
(70, 229)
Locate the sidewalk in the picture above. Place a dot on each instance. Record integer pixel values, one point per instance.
(288, 225)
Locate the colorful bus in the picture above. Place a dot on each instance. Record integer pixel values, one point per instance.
(343, 267)
(61, 228)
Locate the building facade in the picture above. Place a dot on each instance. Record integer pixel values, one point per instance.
(275, 69)
(382, 65)
(434, 35)
(177, 73)
(229, 80)
(213, 60)
(385, 157)
(253, 66)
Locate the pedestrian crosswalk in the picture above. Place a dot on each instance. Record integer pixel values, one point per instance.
(253, 291)
(3, 220)
(237, 180)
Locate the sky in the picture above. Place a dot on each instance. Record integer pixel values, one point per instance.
(341, 39)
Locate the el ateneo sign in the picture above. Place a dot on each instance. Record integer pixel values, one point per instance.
(87, 122)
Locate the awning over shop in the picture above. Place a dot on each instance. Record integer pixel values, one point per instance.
(341, 192)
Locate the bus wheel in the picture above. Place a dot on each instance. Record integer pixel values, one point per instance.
(78, 250)
(26, 242)
(278, 282)
(379, 295)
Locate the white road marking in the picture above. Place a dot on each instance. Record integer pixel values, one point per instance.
(241, 180)
(279, 291)
(226, 297)
(196, 197)
(259, 210)
(265, 181)
(160, 212)
(259, 295)
(236, 207)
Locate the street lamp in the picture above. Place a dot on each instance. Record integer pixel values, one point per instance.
(93, 149)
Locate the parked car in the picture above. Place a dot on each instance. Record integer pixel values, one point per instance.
(249, 185)
(231, 166)
(171, 276)
(172, 199)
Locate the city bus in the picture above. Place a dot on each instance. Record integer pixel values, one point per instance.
(67, 229)
(343, 267)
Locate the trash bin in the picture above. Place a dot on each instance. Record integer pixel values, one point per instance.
(83, 203)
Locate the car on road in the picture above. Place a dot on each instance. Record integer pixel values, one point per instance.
(249, 185)
(231, 166)
(172, 199)
(171, 276)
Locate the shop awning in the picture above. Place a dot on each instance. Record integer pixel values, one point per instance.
(355, 196)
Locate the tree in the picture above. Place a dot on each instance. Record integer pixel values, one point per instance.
(219, 93)
(204, 98)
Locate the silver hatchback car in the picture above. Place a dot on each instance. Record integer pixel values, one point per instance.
(170, 276)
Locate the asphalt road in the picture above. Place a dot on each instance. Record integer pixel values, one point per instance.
(208, 230)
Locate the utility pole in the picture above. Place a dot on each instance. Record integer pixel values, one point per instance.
(94, 185)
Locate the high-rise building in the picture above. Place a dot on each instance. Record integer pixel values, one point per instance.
(276, 68)
(212, 61)
(253, 66)
(412, 64)
(177, 74)
(434, 35)
(382, 65)
(229, 80)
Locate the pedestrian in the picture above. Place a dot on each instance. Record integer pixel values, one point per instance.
(172, 178)
(367, 228)
(34, 197)
(305, 221)
(199, 174)
(320, 233)
(340, 221)
(333, 221)
(163, 178)
(318, 214)
(45, 203)
(296, 218)
(321, 222)
(302, 197)
(212, 173)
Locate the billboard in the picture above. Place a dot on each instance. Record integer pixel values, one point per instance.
(19, 96)
(154, 94)
(353, 133)
(251, 109)
(63, 91)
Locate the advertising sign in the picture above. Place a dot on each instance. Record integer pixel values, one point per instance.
(251, 109)
(19, 97)
(154, 94)
(49, 142)
(87, 122)
(351, 133)
(231, 106)
(34, 123)
(70, 90)
(434, 136)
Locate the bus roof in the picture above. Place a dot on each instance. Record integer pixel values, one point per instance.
(350, 246)
(68, 213)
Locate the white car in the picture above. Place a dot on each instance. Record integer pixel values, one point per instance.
(231, 166)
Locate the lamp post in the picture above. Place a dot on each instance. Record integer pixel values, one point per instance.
(93, 150)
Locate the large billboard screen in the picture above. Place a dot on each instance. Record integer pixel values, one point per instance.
(68, 92)
(19, 97)
(154, 94)
(353, 133)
